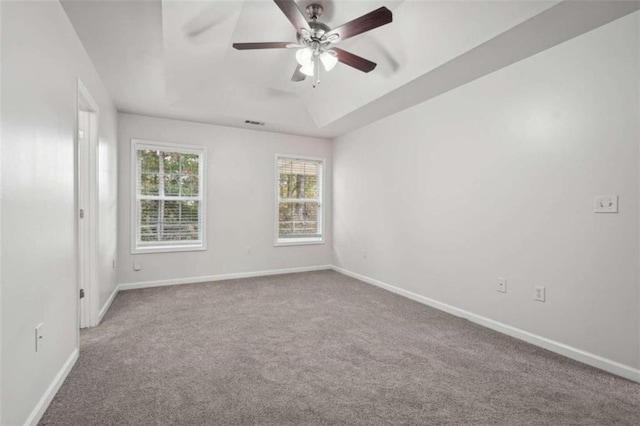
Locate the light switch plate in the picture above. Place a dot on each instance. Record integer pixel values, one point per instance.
(605, 204)
(502, 285)
(39, 335)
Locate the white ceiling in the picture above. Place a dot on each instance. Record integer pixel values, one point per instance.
(174, 59)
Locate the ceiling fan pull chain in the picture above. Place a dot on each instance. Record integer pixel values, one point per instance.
(316, 71)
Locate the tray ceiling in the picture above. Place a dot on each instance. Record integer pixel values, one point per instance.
(174, 58)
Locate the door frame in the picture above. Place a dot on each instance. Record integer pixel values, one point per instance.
(86, 156)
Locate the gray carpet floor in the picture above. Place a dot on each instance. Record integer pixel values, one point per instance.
(319, 348)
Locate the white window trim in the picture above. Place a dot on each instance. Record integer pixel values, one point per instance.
(277, 242)
(137, 144)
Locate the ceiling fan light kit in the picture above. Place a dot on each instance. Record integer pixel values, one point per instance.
(308, 56)
(315, 40)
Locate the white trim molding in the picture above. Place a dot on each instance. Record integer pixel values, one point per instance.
(47, 397)
(107, 304)
(588, 358)
(86, 199)
(220, 277)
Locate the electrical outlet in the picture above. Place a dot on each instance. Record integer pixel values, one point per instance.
(137, 266)
(363, 252)
(113, 263)
(39, 336)
(539, 293)
(248, 251)
(502, 285)
(605, 204)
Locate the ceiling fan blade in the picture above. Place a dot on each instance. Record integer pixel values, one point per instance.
(269, 45)
(293, 14)
(371, 20)
(354, 61)
(297, 75)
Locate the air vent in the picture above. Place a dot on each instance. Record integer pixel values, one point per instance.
(255, 123)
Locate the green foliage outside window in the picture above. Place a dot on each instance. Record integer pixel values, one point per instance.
(299, 189)
(166, 175)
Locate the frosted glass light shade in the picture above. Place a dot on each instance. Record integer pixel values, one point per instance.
(304, 55)
(307, 60)
(329, 60)
(307, 69)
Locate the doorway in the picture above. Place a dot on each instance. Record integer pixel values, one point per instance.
(87, 211)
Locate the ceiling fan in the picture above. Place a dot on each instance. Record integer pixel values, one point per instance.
(316, 40)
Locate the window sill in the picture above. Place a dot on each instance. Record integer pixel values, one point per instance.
(298, 241)
(167, 249)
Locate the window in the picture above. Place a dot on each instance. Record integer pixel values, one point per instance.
(299, 194)
(168, 197)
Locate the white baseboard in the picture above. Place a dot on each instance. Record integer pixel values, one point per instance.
(51, 391)
(220, 277)
(107, 304)
(593, 360)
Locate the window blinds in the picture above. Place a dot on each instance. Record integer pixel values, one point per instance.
(299, 199)
(168, 197)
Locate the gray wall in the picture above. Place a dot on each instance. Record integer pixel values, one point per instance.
(240, 191)
(497, 178)
(41, 60)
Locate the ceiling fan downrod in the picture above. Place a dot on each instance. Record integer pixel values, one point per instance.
(315, 40)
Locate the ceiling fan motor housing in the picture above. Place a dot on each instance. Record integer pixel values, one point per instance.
(318, 29)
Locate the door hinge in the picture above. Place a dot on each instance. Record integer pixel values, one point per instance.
(81, 293)
(81, 213)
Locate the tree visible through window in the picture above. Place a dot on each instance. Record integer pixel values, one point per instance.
(299, 200)
(168, 197)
